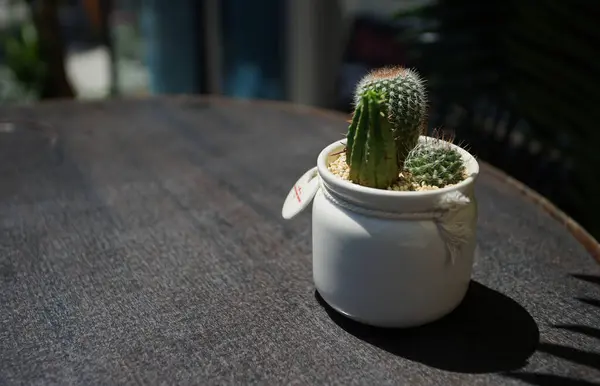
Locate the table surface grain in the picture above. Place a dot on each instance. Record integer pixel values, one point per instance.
(141, 242)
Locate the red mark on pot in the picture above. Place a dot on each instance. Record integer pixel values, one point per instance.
(298, 192)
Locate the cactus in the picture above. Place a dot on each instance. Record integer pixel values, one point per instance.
(383, 136)
(370, 146)
(406, 102)
(435, 164)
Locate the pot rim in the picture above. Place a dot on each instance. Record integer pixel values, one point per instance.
(329, 178)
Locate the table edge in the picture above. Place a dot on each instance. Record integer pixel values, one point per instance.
(580, 234)
(573, 227)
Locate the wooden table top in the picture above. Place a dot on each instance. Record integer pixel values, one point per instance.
(141, 241)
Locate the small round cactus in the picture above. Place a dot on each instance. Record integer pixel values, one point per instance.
(435, 164)
(406, 102)
(370, 146)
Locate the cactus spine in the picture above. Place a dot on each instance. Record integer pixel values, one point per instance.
(435, 164)
(406, 103)
(370, 147)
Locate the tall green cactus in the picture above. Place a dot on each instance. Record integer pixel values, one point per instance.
(370, 147)
(406, 102)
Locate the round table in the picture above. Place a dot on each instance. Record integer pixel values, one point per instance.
(141, 241)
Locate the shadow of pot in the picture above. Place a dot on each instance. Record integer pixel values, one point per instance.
(487, 332)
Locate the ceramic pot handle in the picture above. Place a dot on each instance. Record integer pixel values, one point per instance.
(301, 194)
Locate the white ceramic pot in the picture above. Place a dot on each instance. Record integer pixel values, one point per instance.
(389, 258)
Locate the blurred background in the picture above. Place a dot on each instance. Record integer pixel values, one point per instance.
(515, 80)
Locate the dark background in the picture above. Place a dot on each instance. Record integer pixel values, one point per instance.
(515, 81)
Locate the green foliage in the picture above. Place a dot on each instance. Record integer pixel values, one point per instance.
(12, 91)
(406, 104)
(370, 147)
(435, 164)
(22, 57)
